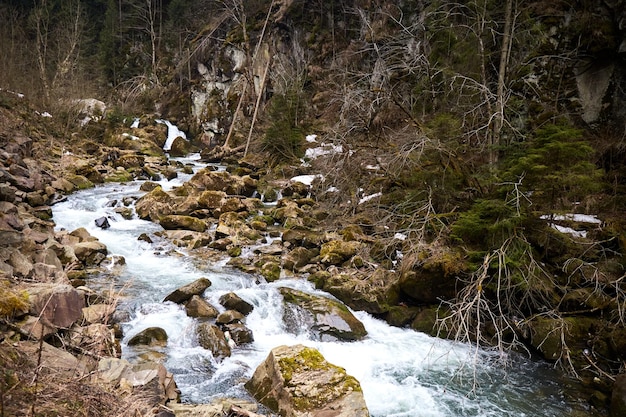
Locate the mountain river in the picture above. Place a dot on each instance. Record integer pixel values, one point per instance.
(403, 373)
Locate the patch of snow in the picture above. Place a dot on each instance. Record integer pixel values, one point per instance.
(135, 123)
(128, 135)
(44, 114)
(311, 138)
(332, 189)
(307, 179)
(372, 167)
(400, 236)
(369, 197)
(569, 231)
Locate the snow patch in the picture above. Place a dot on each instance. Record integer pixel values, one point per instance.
(307, 179)
(369, 197)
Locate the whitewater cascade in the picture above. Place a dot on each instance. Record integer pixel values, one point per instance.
(402, 372)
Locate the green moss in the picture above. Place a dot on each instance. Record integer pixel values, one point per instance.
(12, 300)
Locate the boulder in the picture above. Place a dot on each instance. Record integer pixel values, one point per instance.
(232, 301)
(328, 319)
(90, 253)
(373, 292)
(53, 360)
(155, 204)
(185, 292)
(152, 336)
(102, 222)
(239, 333)
(298, 258)
(176, 221)
(296, 381)
(233, 225)
(231, 407)
(98, 313)
(229, 316)
(61, 305)
(198, 307)
(212, 338)
(337, 251)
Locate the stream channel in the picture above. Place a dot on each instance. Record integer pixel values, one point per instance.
(403, 373)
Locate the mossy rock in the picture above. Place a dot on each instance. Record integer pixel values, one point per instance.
(119, 175)
(79, 181)
(270, 271)
(336, 251)
(152, 336)
(547, 335)
(175, 222)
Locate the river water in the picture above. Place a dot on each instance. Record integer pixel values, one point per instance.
(403, 373)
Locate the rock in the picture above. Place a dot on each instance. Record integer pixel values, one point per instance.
(206, 179)
(185, 292)
(337, 251)
(305, 238)
(36, 327)
(98, 313)
(298, 258)
(229, 316)
(79, 182)
(557, 337)
(329, 319)
(155, 204)
(96, 338)
(239, 333)
(90, 253)
(60, 305)
(102, 222)
(270, 271)
(175, 221)
(297, 381)
(54, 360)
(233, 225)
(373, 292)
(212, 338)
(152, 336)
(198, 307)
(618, 397)
(232, 301)
(427, 287)
(231, 407)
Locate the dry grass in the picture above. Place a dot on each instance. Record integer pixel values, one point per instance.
(27, 391)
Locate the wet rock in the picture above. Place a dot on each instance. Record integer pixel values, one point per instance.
(233, 225)
(60, 305)
(198, 307)
(296, 381)
(232, 301)
(270, 271)
(239, 333)
(185, 292)
(329, 319)
(230, 316)
(298, 258)
(102, 222)
(155, 204)
(212, 338)
(79, 182)
(175, 221)
(152, 336)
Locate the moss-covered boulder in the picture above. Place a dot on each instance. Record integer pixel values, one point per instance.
(373, 292)
(152, 336)
(328, 319)
(562, 338)
(177, 221)
(155, 204)
(297, 381)
(338, 251)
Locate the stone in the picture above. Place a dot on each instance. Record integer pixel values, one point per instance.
(185, 292)
(36, 327)
(198, 307)
(336, 252)
(298, 258)
(60, 305)
(229, 316)
(176, 221)
(232, 301)
(212, 338)
(152, 336)
(239, 333)
(98, 313)
(55, 361)
(329, 319)
(155, 204)
(90, 253)
(297, 381)
(102, 222)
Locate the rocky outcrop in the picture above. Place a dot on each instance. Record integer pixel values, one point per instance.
(328, 319)
(296, 381)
